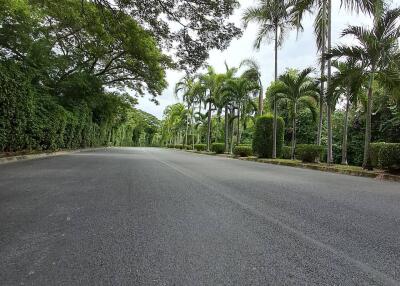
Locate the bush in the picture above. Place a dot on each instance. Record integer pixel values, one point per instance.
(262, 138)
(243, 150)
(286, 152)
(179, 146)
(385, 155)
(309, 152)
(218, 148)
(200, 147)
(374, 149)
(170, 146)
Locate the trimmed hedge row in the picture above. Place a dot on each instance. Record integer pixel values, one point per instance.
(286, 152)
(309, 152)
(218, 148)
(385, 155)
(243, 150)
(263, 136)
(200, 147)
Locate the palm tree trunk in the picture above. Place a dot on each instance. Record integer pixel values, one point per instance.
(260, 101)
(345, 130)
(367, 140)
(323, 63)
(209, 127)
(294, 131)
(232, 130)
(187, 127)
(238, 126)
(192, 127)
(274, 131)
(226, 129)
(198, 132)
(330, 108)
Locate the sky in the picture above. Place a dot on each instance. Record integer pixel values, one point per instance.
(298, 51)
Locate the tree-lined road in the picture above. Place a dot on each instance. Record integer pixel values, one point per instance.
(142, 216)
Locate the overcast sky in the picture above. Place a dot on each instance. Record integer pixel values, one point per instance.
(298, 51)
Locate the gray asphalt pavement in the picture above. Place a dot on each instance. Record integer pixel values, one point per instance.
(142, 216)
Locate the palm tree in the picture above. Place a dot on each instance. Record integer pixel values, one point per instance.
(208, 82)
(323, 31)
(239, 91)
(253, 72)
(275, 18)
(376, 51)
(297, 88)
(186, 86)
(347, 81)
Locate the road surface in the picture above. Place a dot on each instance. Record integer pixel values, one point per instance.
(137, 216)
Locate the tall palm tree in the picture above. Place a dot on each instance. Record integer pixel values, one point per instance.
(347, 81)
(239, 90)
(298, 88)
(186, 87)
(376, 50)
(208, 81)
(323, 31)
(275, 19)
(253, 72)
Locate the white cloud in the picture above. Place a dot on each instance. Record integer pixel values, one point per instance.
(298, 51)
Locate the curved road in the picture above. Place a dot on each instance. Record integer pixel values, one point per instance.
(137, 216)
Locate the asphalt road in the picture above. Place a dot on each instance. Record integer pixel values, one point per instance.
(160, 217)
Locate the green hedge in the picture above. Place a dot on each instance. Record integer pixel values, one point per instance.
(374, 149)
(218, 148)
(200, 147)
(309, 152)
(262, 138)
(243, 150)
(385, 155)
(286, 152)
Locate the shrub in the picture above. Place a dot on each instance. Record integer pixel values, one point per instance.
(389, 156)
(286, 152)
(243, 150)
(309, 152)
(179, 146)
(262, 138)
(374, 149)
(218, 148)
(200, 147)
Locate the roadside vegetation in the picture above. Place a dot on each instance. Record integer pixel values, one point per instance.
(71, 70)
(347, 112)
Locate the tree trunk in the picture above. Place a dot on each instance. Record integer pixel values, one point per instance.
(274, 131)
(330, 108)
(323, 63)
(226, 129)
(232, 130)
(238, 126)
(294, 131)
(345, 130)
(260, 101)
(367, 140)
(209, 127)
(187, 127)
(198, 133)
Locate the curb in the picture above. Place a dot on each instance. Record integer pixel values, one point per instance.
(366, 174)
(27, 157)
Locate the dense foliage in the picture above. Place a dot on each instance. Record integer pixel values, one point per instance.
(65, 66)
(309, 152)
(353, 101)
(243, 150)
